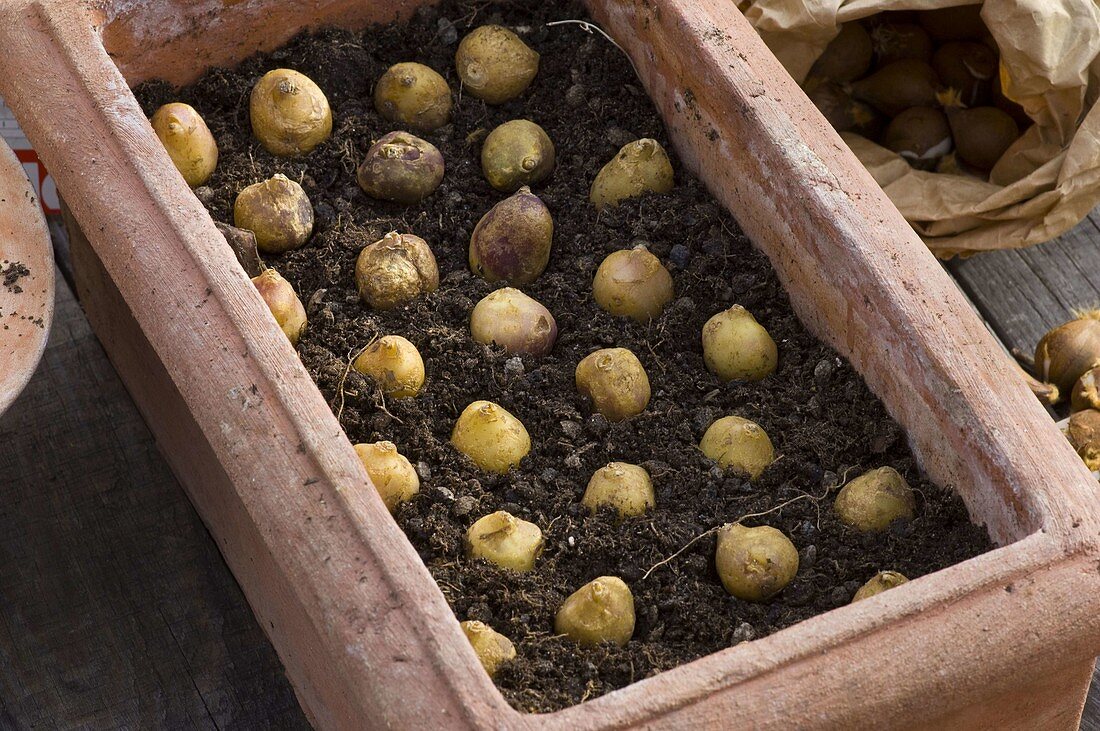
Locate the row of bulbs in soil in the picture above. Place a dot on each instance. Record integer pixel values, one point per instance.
(511, 244)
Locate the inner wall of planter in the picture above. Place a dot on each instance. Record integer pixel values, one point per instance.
(178, 40)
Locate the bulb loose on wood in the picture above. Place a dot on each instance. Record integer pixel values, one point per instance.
(277, 211)
(290, 114)
(395, 270)
(624, 487)
(394, 364)
(505, 540)
(640, 167)
(491, 647)
(515, 154)
(491, 436)
(632, 283)
(739, 445)
(495, 65)
(615, 382)
(187, 140)
(1065, 353)
(754, 564)
(1083, 432)
(515, 322)
(283, 303)
(600, 611)
(880, 582)
(738, 348)
(401, 167)
(1086, 392)
(874, 500)
(392, 474)
(511, 242)
(413, 96)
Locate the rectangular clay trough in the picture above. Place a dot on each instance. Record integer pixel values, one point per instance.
(1005, 640)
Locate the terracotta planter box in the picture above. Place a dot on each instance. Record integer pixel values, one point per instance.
(1005, 640)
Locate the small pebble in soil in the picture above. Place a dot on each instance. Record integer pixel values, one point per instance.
(679, 255)
(513, 367)
(823, 370)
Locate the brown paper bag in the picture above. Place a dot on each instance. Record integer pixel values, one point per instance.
(1050, 64)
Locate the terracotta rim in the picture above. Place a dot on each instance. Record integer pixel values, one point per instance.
(25, 316)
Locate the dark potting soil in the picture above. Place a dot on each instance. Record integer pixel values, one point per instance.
(825, 424)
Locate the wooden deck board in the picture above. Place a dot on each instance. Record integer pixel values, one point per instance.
(1023, 293)
(116, 609)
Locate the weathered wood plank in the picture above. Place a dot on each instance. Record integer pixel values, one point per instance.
(116, 609)
(1023, 293)
(1090, 719)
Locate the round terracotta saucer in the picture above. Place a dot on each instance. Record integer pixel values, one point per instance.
(26, 279)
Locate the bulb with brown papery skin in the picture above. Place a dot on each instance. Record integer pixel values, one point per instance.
(847, 57)
(897, 41)
(632, 283)
(515, 322)
(283, 303)
(615, 382)
(390, 472)
(1086, 392)
(277, 211)
(491, 436)
(401, 167)
(600, 611)
(505, 540)
(981, 135)
(395, 270)
(638, 168)
(898, 86)
(921, 135)
(1006, 105)
(491, 647)
(625, 487)
(511, 242)
(515, 154)
(187, 140)
(290, 114)
(394, 364)
(880, 582)
(738, 348)
(1065, 353)
(1083, 432)
(495, 65)
(414, 96)
(969, 68)
(754, 564)
(842, 111)
(739, 445)
(956, 23)
(874, 500)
